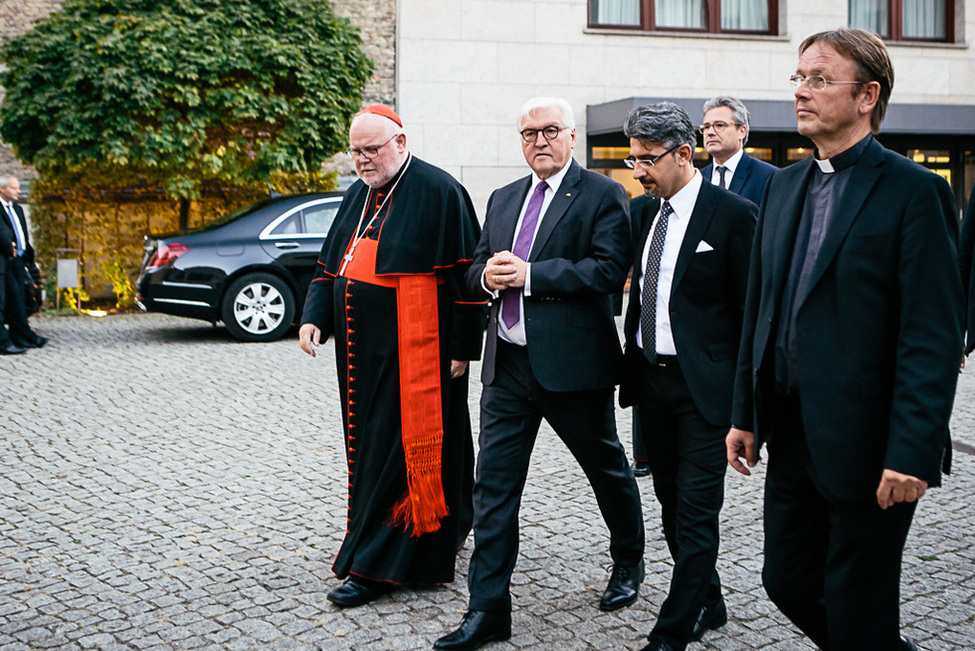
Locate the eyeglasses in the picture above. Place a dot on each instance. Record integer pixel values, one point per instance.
(368, 152)
(550, 133)
(718, 126)
(646, 163)
(816, 82)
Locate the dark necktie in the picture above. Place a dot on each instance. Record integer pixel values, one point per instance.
(721, 170)
(510, 307)
(648, 298)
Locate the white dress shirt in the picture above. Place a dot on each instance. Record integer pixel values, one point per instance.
(731, 164)
(683, 205)
(516, 334)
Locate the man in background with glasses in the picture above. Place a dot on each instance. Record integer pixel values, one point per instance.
(725, 132)
(682, 329)
(555, 248)
(850, 351)
(390, 289)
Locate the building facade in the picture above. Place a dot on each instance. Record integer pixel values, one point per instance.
(465, 67)
(459, 71)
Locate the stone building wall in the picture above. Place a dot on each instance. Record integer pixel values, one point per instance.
(16, 17)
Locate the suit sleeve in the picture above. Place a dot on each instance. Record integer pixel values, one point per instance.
(603, 269)
(930, 334)
(966, 244)
(319, 300)
(743, 403)
(472, 277)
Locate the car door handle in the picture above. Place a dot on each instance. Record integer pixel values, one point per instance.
(287, 245)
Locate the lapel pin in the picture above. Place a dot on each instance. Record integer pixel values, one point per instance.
(568, 194)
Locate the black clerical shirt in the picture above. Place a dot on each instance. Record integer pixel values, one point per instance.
(823, 196)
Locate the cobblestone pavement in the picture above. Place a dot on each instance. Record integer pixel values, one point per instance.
(164, 487)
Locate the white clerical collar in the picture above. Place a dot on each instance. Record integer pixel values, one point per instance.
(825, 166)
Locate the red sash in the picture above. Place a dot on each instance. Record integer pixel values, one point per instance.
(421, 409)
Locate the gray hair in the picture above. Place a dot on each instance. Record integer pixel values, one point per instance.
(742, 117)
(663, 123)
(540, 103)
(5, 180)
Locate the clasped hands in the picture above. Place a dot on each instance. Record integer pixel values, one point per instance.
(503, 270)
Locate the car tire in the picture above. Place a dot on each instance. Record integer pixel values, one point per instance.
(258, 307)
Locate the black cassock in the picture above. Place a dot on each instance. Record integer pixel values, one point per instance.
(422, 224)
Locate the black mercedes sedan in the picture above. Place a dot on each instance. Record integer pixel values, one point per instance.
(250, 269)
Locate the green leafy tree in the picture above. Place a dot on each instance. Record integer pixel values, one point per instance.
(182, 96)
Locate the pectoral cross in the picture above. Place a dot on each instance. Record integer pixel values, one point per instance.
(348, 258)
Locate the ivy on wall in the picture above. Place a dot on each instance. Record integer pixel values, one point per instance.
(144, 116)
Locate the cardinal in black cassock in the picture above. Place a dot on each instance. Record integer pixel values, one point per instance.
(389, 288)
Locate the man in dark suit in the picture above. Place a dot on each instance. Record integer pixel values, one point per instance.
(16, 277)
(683, 326)
(850, 350)
(554, 249)
(7, 250)
(725, 130)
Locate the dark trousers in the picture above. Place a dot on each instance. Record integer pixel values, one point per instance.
(14, 308)
(832, 568)
(639, 443)
(687, 462)
(512, 409)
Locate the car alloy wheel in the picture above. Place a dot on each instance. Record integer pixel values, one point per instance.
(258, 307)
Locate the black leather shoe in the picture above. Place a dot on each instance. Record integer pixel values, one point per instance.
(357, 592)
(656, 644)
(477, 629)
(908, 644)
(641, 469)
(11, 349)
(712, 617)
(623, 587)
(38, 342)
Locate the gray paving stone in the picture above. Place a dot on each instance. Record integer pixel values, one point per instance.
(168, 488)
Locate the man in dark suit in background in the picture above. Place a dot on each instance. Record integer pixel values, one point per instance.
(725, 130)
(683, 327)
(554, 249)
(17, 280)
(7, 250)
(850, 350)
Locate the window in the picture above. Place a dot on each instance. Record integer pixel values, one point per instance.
(905, 20)
(715, 16)
(319, 218)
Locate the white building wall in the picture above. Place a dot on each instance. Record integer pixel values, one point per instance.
(465, 67)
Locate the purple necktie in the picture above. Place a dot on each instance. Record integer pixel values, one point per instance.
(510, 307)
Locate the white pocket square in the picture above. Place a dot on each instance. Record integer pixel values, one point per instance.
(703, 247)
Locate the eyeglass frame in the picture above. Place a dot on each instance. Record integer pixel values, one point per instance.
(798, 80)
(645, 163)
(354, 153)
(703, 128)
(542, 131)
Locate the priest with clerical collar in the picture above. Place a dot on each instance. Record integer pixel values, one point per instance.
(389, 289)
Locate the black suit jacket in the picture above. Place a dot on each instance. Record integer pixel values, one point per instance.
(578, 260)
(7, 237)
(28, 256)
(750, 177)
(707, 299)
(879, 331)
(966, 244)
